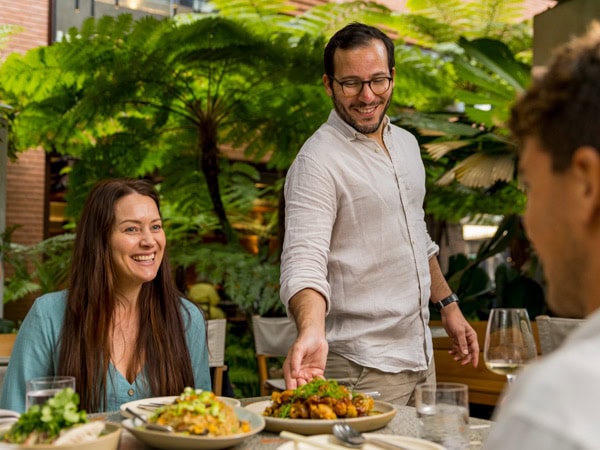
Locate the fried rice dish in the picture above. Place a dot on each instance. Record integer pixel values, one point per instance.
(200, 413)
(319, 399)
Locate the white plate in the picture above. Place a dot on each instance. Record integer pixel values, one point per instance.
(405, 441)
(138, 405)
(177, 441)
(7, 418)
(7, 413)
(108, 441)
(319, 426)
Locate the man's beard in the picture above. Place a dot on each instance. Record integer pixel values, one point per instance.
(364, 129)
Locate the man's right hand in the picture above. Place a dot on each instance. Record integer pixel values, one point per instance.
(307, 357)
(305, 361)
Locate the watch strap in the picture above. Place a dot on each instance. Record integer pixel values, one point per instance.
(452, 298)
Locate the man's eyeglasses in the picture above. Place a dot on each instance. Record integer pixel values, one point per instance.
(378, 85)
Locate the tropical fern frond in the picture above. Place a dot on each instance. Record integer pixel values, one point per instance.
(497, 12)
(432, 21)
(261, 16)
(327, 18)
(18, 288)
(251, 283)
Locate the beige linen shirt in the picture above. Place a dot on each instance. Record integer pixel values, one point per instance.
(355, 232)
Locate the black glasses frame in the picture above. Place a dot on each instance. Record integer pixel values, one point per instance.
(344, 86)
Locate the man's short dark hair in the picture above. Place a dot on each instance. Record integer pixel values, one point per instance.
(352, 36)
(562, 106)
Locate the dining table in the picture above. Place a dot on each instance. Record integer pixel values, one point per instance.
(404, 423)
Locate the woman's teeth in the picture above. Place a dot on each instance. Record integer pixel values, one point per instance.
(144, 258)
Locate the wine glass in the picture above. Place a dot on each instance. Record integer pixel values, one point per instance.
(509, 343)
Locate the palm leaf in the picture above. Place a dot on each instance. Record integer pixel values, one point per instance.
(438, 149)
(498, 59)
(481, 170)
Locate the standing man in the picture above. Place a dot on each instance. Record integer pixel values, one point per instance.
(553, 405)
(358, 267)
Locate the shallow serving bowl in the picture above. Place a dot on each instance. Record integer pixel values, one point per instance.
(107, 441)
(384, 413)
(180, 441)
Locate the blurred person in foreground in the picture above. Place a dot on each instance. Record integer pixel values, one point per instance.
(358, 266)
(554, 403)
(121, 329)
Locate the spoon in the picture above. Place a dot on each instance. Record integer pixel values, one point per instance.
(351, 437)
(148, 425)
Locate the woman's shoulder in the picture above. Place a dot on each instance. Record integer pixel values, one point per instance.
(51, 300)
(191, 308)
(48, 309)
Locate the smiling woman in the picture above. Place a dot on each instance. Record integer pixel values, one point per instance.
(121, 299)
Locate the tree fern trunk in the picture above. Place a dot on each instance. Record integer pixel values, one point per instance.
(210, 169)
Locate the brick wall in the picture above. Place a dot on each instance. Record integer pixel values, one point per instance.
(26, 177)
(25, 192)
(33, 18)
(25, 181)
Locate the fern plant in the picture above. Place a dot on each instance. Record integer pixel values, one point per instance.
(42, 267)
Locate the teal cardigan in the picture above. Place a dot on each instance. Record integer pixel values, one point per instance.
(35, 354)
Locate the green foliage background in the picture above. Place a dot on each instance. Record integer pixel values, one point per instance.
(169, 99)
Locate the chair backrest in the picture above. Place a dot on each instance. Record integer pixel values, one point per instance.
(7, 340)
(553, 331)
(273, 336)
(216, 329)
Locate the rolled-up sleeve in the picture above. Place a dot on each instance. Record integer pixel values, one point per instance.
(309, 218)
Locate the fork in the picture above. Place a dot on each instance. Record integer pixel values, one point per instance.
(147, 407)
(150, 406)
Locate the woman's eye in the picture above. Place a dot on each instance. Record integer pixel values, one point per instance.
(157, 227)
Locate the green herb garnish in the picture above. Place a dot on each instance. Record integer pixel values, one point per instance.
(322, 388)
(284, 410)
(47, 420)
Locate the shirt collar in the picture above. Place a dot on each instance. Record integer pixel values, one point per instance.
(339, 124)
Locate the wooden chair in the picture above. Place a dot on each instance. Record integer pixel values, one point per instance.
(216, 330)
(554, 330)
(273, 336)
(7, 340)
(485, 387)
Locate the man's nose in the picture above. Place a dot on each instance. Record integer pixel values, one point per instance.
(367, 93)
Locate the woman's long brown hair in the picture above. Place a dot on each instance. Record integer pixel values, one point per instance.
(85, 337)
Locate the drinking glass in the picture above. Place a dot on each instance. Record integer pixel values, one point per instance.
(40, 390)
(509, 343)
(443, 414)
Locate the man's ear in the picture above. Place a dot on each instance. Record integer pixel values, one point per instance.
(585, 167)
(328, 85)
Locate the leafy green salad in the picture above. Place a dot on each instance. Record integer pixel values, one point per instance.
(42, 424)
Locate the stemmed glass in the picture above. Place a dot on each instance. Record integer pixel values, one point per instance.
(509, 343)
